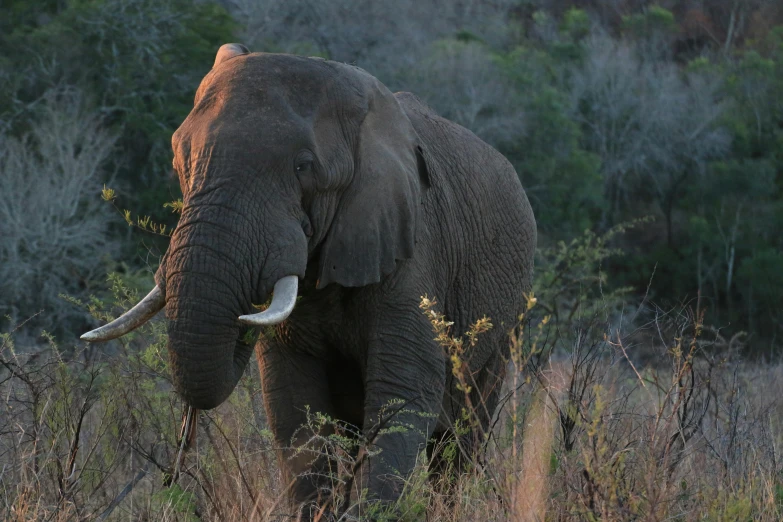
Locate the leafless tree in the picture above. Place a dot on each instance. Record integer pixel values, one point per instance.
(382, 37)
(463, 83)
(733, 18)
(650, 123)
(52, 221)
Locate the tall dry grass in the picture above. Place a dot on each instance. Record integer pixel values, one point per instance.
(663, 422)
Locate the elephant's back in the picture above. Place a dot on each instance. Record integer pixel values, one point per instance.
(482, 218)
(463, 165)
(472, 184)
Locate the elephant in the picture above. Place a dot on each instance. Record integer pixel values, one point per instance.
(307, 181)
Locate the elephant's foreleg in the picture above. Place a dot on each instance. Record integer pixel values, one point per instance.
(293, 384)
(404, 386)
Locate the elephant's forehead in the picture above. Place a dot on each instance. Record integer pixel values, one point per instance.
(266, 82)
(271, 99)
(203, 135)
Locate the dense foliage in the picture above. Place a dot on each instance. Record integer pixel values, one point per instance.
(610, 112)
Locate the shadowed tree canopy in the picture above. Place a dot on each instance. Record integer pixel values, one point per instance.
(609, 111)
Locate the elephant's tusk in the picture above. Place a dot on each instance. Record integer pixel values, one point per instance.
(130, 320)
(283, 302)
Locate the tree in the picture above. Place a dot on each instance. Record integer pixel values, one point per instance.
(53, 224)
(652, 126)
(560, 177)
(385, 38)
(464, 83)
(140, 60)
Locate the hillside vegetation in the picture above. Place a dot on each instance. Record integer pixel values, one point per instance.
(609, 111)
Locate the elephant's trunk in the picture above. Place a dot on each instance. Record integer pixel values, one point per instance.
(205, 293)
(206, 355)
(212, 274)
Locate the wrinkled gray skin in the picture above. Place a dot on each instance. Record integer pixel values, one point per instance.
(306, 167)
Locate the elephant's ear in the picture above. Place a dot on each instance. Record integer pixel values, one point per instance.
(375, 223)
(228, 51)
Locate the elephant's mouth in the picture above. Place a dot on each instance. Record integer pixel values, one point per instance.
(283, 301)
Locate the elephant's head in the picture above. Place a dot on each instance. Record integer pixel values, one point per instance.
(284, 162)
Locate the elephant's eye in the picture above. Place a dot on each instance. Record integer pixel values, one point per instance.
(304, 166)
